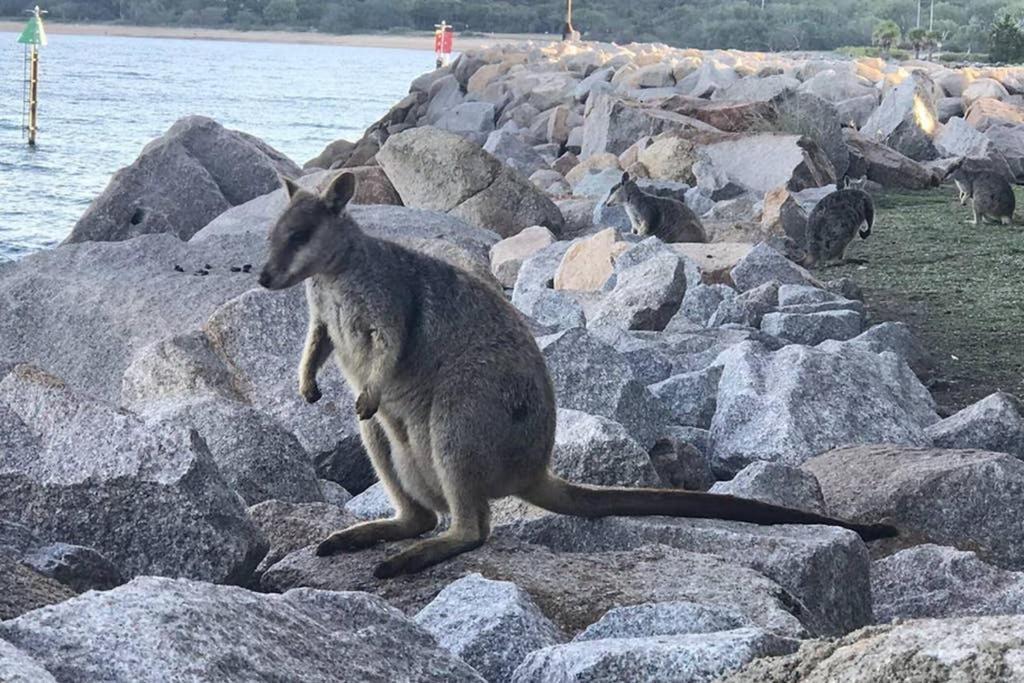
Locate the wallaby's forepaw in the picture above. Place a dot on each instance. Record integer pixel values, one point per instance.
(310, 392)
(366, 406)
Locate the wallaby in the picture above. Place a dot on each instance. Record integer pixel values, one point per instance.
(455, 403)
(990, 194)
(834, 222)
(670, 220)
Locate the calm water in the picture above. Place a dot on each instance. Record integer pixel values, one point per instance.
(102, 99)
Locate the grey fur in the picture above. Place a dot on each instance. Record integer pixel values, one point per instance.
(455, 403)
(834, 222)
(990, 194)
(670, 220)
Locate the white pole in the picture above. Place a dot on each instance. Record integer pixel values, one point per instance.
(919, 13)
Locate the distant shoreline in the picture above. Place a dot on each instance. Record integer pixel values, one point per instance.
(407, 41)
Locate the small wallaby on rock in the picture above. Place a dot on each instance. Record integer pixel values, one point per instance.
(834, 222)
(990, 194)
(670, 220)
(455, 403)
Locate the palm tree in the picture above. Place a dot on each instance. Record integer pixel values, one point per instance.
(886, 34)
(918, 37)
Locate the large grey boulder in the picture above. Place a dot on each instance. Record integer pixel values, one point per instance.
(290, 526)
(23, 589)
(793, 161)
(18, 667)
(965, 499)
(260, 459)
(645, 296)
(770, 482)
(197, 158)
(813, 327)
(470, 120)
(764, 264)
(809, 115)
(690, 657)
(906, 119)
(995, 423)
(592, 377)
(884, 165)
(491, 625)
(166, 629)
(836, 85)
(701, 301)
(962, 649)
(511, 150)
(596, 450)
(572, 589)
(750, 307)
(935, 581)
(756, 88)
(613, 124)
(691, 397)
(475, 186)
(149, 498)
(1009, 141)
(824, 568)
(663, 619)
(792, 404)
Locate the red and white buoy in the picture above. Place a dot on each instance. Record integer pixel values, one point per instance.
(444, 37)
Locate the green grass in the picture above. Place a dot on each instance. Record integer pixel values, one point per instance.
(960, 288)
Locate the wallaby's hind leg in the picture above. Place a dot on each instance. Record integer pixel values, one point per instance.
(471, 524)
(411, 518)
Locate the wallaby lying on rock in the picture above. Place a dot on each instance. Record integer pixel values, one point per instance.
(670, 220)
(834, 222)
(990, 194)
(455, 403)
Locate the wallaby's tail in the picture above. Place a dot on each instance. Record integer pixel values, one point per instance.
(558, 495)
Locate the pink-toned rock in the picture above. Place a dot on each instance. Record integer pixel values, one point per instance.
(988, 112)
(508, 254)
(715, 259)
(588, 264)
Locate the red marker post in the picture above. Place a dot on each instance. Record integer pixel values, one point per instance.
(444, 37)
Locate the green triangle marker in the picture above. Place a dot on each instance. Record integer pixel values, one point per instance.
(33, 34)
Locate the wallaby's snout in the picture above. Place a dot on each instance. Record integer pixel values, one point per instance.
(865, 232)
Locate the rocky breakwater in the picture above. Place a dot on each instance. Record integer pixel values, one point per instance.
(163, 486)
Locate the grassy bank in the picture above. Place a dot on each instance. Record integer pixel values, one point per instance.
(959, 287)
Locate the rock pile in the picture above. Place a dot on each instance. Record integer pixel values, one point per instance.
(164, 486)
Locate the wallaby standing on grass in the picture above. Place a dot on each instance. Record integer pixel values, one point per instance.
(455, 403)
(670, 220)
(834, 222)
(990, 194)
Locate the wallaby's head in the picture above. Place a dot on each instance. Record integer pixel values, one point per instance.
(620, 192)
(848, 183)
(312, 235)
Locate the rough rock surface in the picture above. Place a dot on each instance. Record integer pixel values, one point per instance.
(22, 589)
(571, 589)
(196, 158)
(691, 657)
(965, 499)
(777, 484)
(663, 619)
(491, 625)
(966, 649)
(191, 630)
(935, 581)
(18, 667)
(478, 189)
(792, 404)
(824, 568)
(149, 499)
(290, 526)
(995, 423)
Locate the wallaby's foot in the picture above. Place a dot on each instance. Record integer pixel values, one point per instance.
(856, 261)
(311, 392)
(426, 554)
(366, 405)
(367, 534)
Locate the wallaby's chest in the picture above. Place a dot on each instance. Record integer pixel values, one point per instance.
(350, 324)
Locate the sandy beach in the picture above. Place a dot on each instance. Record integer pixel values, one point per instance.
(408, 41)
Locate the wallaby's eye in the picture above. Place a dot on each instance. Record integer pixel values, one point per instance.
(299, 237)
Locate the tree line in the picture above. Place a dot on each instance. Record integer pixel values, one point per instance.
(956, 25)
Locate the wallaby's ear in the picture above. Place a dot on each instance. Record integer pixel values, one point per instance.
(339, 192)
(290, 186)
(625, 176)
